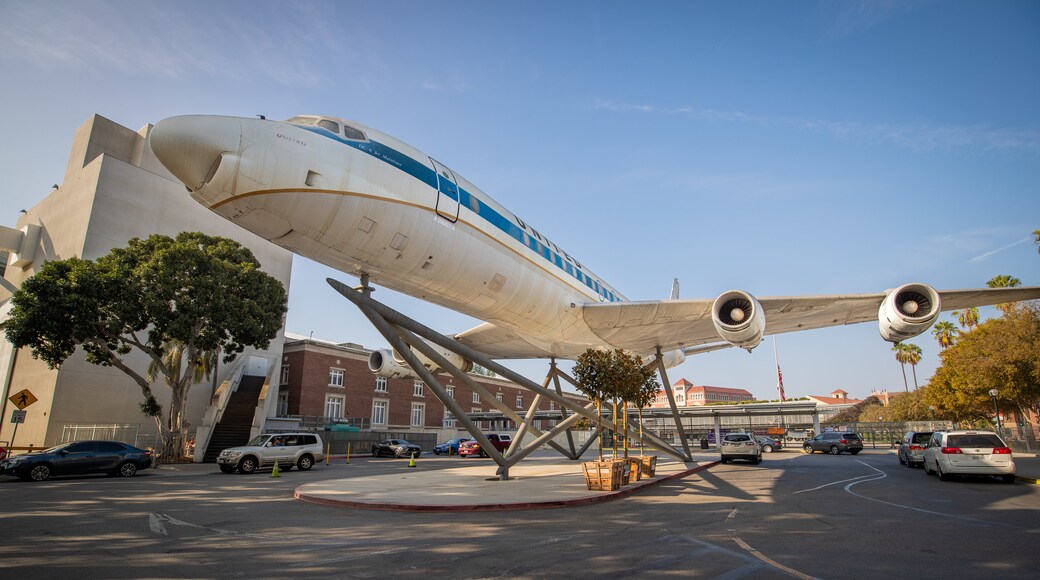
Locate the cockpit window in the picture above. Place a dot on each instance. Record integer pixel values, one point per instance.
(330, 125)
(302, 120)
(352, 133)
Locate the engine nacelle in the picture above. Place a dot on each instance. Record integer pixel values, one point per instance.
(739, 319)
(908, 311)
(390, 364)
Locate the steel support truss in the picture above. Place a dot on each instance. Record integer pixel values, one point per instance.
(403, 334)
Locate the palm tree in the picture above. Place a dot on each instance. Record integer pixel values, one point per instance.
(967, 318)
(944, 332)
(913, 356)
(1036, 238)
(901, 356)
(1004, 281)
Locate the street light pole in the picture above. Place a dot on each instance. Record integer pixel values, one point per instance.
(1000, 427)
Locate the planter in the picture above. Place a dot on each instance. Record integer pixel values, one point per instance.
(603, 475)
(633, 470)
(649, 465)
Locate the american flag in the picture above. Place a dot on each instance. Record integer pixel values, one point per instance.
(780, 384)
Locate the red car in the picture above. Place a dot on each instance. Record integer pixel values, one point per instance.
(471, 447)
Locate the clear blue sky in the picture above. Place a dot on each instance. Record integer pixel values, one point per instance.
(781, 148)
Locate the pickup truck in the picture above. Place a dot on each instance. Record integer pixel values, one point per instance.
(500, 441)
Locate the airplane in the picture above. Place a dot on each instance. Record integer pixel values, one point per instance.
(367, 204)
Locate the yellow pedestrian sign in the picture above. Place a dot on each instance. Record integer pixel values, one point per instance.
(22, 399)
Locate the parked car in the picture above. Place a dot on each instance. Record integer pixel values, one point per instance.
(499, 440)
(967, 452)
(451, 446)
(834, 442)
(286, 449)
(768, 444)
(79, 457)
(911, 448)
(396, 448)
(740, 446)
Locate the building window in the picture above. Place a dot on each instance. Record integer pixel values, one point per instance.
(285, 375)
(449, 420)
(479, 424)
(381, 384)
(476, 397)
(499, 397)
(379, 412)
(552, 405)
(519, 401)
(417, 389)
(333, 406)
(418, 414)
(335, 377)
(283, 404)
(451, 393)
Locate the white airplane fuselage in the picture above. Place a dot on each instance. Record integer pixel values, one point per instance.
(363, 202)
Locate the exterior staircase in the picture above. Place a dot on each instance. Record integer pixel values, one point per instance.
(237, 420)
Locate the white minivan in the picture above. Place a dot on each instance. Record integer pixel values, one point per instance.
(968, 452)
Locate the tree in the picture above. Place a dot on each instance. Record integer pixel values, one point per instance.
(913, 356)
(609, 375)
(945, 333)
(967, 318)
(176, 300)
(852, 413)
(1004, 281)
(902, 356)
(1002, 353)
(1036, 238)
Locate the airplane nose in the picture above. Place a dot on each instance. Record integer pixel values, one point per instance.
(191, 146)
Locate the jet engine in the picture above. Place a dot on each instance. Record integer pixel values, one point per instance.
(390, 364)
(908, 311)
(739, 319)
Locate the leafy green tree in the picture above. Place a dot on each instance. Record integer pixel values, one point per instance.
(613, 375)
(178, 301)
(908, 407)
(945, 333)
(1002, 353)
(852, 413)
(967, 318)
(1004, 281)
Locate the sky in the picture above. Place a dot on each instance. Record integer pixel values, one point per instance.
(793, 148)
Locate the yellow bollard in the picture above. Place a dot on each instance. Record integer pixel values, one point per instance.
(274, 472)
(348, 452)
(411, 462)
(328, 450)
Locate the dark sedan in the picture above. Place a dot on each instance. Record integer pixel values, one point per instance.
(396, 448)
(79, 457)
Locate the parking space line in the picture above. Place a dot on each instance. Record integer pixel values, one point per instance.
(770, 561)
(883, 475)
(835, 482)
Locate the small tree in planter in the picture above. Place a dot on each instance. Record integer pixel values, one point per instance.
(645, 396)
(598, 375)
(635, 380)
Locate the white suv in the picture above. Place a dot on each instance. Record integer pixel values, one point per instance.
(964, 452)
(286, 449)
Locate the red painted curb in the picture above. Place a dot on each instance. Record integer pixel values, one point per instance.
(491, 507)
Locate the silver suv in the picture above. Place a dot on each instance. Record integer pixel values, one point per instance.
(286, 449)
(740, 446)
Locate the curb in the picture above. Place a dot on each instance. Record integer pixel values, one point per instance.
(1028, 480)
(533, 505)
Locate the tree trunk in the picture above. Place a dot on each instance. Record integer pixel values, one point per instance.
(913, 369)
(624, 426)
(641, 445)
(613, 421)
(599, 427)
(906, 387)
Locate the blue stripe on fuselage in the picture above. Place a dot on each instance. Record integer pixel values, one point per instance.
(426, 175)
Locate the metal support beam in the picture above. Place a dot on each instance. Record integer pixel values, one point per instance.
(672, 405)
(554, 371)
(382, 316)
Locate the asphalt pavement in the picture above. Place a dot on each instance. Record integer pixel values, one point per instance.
(535, 483)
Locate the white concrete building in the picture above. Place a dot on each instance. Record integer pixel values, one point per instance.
(114, 189)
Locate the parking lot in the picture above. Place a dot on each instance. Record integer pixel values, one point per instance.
(792, 515)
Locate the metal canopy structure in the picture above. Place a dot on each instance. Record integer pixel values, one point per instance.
(404, 334)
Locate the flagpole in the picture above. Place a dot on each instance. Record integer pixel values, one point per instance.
(779, 381)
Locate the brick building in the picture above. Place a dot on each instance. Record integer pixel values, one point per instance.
(688, 395)
(323, 379)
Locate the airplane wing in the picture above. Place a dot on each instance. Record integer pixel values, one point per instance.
(686, 324)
